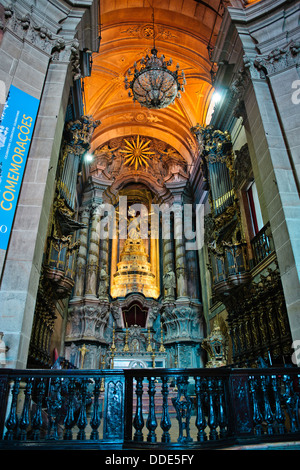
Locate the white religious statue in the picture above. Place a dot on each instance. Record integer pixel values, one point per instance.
(133, 225)
(169, 280)
(103, 284)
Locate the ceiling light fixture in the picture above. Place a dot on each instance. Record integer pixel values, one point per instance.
(154, 85)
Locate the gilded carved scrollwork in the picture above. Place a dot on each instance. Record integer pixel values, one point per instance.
(258, 322)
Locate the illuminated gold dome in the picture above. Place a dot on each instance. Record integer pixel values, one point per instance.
(134, 271)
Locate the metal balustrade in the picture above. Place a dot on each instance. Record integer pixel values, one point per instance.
(148, 408)
(262, 244)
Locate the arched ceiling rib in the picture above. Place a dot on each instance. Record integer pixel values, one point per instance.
(183, 29)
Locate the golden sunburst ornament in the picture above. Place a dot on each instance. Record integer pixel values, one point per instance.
(137, 152)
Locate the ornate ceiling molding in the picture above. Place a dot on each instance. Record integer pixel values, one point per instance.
(127, 35)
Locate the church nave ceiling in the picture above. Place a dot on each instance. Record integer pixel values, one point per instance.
(182, 31)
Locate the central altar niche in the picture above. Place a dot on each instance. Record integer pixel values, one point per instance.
(137, 268)
(134, 271)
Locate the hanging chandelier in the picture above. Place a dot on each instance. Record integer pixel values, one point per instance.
(154, 85)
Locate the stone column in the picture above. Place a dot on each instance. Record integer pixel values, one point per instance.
(169, 274)
(93, 256)
(154, 249)
(193, 283)
(180, 260)
(82, 255)
(114, 258)
(103, 270)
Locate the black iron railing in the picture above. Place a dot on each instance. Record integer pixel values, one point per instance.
(262, 244)
(148, 407)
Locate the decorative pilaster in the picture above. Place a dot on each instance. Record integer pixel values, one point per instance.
(103, 286)
(82, 254)
(169, 279)
(93, 255)
(180, 260)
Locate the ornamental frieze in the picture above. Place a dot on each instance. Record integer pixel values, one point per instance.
(148, 32)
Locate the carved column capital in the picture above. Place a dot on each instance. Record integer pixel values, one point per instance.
(241, 84)
(78, 133)
(24, 26)
(279, 59)
(180, 323)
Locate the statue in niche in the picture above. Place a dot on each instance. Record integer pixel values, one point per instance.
(103, 284)
(181, 281)
(133, 225)
(169, 281)
(135, 346)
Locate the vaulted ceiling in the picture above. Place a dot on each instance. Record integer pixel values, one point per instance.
(183, 31)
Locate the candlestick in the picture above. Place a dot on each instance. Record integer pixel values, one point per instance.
(162, 348)
(149, 347)
(153, 359)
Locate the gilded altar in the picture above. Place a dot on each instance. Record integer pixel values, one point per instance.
(138, 282)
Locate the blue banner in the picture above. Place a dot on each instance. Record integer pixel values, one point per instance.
(16, 129)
